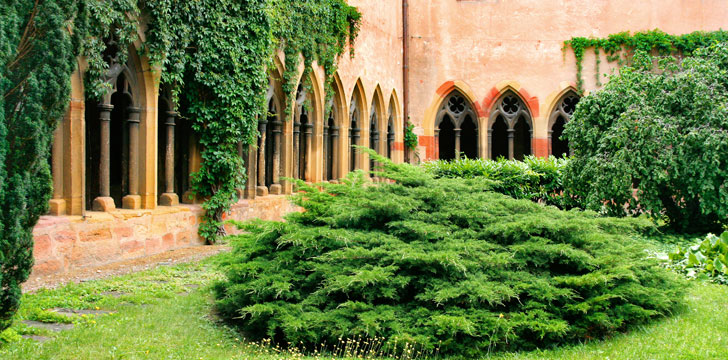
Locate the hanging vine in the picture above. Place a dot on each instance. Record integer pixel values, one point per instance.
(215, 54)
(620, 47)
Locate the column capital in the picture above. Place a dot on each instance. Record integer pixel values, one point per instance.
(171, 116)
(133, 114)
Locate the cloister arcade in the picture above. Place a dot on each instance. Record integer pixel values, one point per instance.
(138, 153)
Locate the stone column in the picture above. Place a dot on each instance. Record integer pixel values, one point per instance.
(511, 136)
(390, 143)
(457, 142)
(354, 140)
(374, 137)
(104, 202)
(57, 203)
(325, 152)
(307, 135)
(550, 142)
(489, 147)
(261, 190)
(169, 198)
(133, 200)
(251, 161)
(437, 143)
(296, 147)
(335, 156)
(276, 187)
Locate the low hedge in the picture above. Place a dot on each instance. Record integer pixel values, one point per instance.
(446, 264)
(534, 178)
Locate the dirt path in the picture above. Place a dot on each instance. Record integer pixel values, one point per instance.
(123, 267)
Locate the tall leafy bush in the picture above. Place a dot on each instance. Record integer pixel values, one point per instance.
(442, 263)
(655, 141)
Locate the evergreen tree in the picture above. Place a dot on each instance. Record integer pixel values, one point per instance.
(36, 61)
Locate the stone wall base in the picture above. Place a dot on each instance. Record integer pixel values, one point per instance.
(64, 243)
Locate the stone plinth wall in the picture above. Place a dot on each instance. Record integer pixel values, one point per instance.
(63, 243)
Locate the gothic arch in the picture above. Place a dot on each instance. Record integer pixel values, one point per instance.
(561, 114)
(357, 125)
(456, 127)
(119, 146)
(510, 126)
(394, 129)
(377, 123)
(335, 132)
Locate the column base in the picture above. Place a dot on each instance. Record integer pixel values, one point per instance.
(249, 193)
(57, 207)
(276, 189)
(131, 202)
(169, 199)
(103, 203)
(188, 197)
(261, 191)
(334, 182)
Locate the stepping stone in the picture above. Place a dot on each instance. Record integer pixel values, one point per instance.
(192, 286)
(38, 338)
(74, 312)
(116, 294)
(159, 281)
(48, 326)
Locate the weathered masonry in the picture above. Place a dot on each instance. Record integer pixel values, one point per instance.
(477, 78)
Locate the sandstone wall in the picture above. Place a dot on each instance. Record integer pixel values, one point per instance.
(482, 47)
(63, 243)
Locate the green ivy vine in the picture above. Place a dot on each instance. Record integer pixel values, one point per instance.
(410, 138)
(621, 47)
(214, 56)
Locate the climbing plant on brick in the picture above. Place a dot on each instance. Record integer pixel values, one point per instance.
(620, 47)
(215, 54)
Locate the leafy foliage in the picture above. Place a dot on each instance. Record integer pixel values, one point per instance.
(708, 258)
(621, 46)
(410, 138)
(659, 131)
(37, 57)
(534, 178)
(215, 55)
(438, 262)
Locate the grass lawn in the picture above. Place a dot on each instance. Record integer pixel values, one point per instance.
(161, 314)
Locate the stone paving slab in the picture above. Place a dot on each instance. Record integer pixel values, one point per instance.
(74, 312)
(48, 326)
(38, 338)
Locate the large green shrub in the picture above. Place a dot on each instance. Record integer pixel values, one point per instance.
(441, 263)
(655, 141)
(36, 60)
(534, 178)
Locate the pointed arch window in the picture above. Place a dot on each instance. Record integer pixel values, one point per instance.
(456, 128)
(302, 135)
(390, 132)
(113, 162)
(511, 128)
(564, 110)
(354, 132)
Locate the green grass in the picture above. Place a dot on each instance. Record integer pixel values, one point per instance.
(154, 322)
